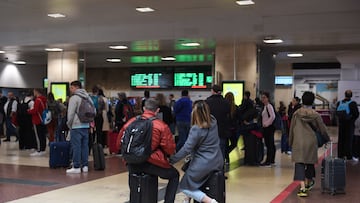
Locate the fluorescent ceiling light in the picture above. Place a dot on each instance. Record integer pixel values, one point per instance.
(273, 41)
(191, 44)
(144, 9)
(2, 52)
(113, 60)
(118, 47)
(81, 60)
(19, 62)
(294, 55)
(53, 49)
(56, 15)
(168, 58)
(245, 2)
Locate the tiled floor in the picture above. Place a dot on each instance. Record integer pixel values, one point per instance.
(29, 179)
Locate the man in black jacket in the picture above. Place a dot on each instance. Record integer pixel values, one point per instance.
(347, 126)
(220, 109)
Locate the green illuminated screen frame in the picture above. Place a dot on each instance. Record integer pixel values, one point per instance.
(236, 87)
(60, 90)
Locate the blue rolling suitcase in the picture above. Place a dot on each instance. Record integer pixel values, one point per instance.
(143, 188)
(333, 174)
(59, 154)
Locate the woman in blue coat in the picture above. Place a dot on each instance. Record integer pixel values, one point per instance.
(203, 144)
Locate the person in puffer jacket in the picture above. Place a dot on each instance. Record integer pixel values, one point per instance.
(162, 145)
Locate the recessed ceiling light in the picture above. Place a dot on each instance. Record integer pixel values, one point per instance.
(273, 41)
(144, 9)
(19, 62)
(81, 60)
(113, 60)
(118, 47)
(294, 55)
(53, 49)
(168, 58)
(191, 44)
(56, 15)
(245, 2)
(2, 52)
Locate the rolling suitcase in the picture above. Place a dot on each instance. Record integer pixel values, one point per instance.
(112, 138)
(59, 154)
(99, 157)
(333, 174)
(143, 188)
(214, 187)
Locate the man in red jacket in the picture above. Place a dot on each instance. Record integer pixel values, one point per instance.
(39, 128)
(163, 145)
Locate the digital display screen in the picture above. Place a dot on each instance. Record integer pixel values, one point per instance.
(191, 77)
(151, 78)
(194, 78)
(60, 90)
(283, 80)
(236, 87)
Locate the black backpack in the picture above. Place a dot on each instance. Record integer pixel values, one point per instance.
(86, 111)
(22, 115)
(136, 141)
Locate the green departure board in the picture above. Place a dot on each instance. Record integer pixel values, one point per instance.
(151, 80)
(191, 80)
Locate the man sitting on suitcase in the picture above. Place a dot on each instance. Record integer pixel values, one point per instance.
(161, 145)
(79, 131)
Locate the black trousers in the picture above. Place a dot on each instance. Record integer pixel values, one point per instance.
(268, 134)
(356, 147)
(345, 141)
(303, 171)
(165, 173)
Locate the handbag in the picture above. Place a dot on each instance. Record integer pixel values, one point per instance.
(321, 140)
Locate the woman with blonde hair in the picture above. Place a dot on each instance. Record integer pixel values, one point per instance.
(203, 145)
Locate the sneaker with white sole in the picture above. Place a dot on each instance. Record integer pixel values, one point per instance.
(36, 154)
(213, 201)
(73, 170)
(85, 169)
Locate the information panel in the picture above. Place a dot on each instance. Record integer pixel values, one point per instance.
(60, 90)
(194, 78)
(151, 78)
(236, 87)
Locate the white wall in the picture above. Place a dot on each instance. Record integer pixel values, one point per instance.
(21, 76)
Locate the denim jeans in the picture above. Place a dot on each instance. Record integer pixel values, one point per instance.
(197, 195)
(79, 145)
(183, 130)
(10, 129)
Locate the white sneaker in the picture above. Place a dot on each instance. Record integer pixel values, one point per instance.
(73, 170)
(36, 154)
(355, 159)
(42, 153)
(85, 169)
(214, 201)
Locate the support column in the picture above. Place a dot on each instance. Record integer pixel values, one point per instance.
(236, 61)
(62, 66)
(266, 71)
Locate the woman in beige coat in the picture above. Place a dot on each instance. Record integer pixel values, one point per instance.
(303, 141)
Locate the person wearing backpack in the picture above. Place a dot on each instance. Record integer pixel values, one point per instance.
(123, 110)
(27, 138)
(268, 117)
(99, 104)
(39, 127)
(162, 146)
(348, 112)
(79, 126)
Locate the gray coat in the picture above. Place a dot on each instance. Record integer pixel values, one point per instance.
(204, 145)
(73, 107)
(302, 137)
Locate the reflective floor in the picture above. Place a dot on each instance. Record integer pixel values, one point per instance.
(29, 179)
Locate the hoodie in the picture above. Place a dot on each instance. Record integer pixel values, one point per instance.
(73, 121)
(302, 137)
(36, 112)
